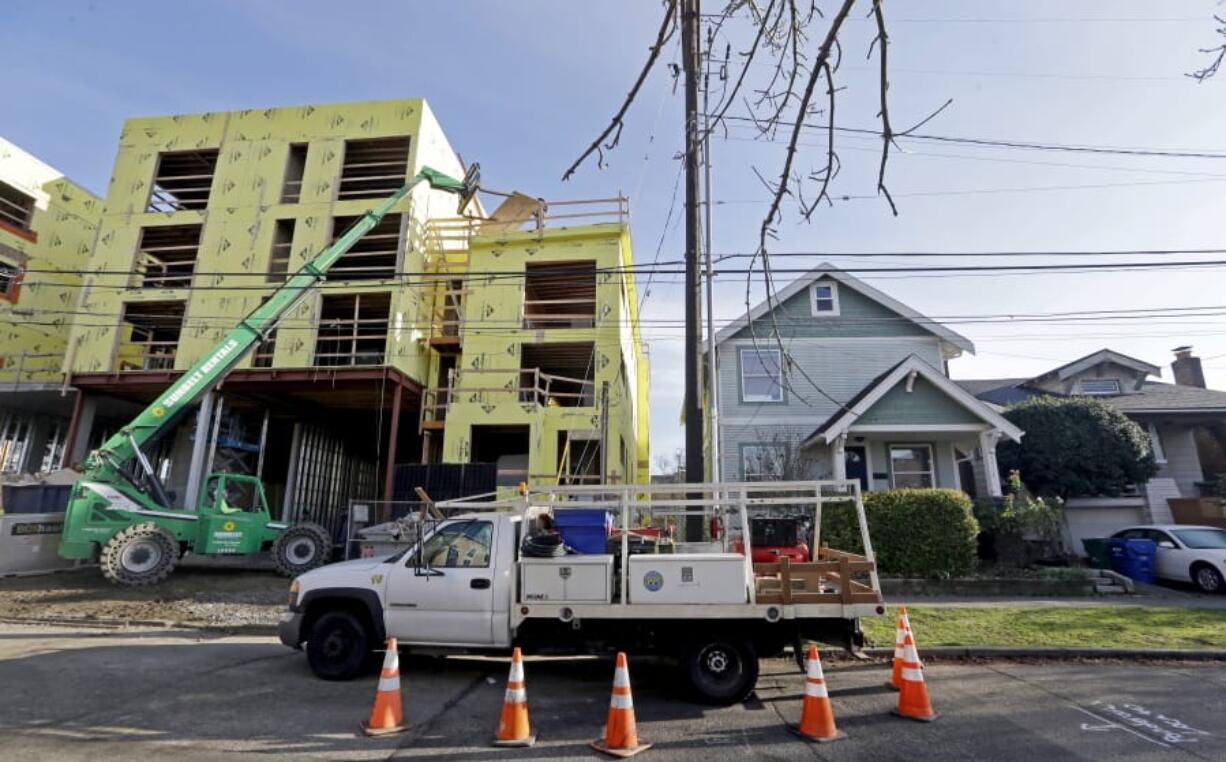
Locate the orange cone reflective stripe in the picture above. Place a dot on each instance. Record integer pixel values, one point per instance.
(913, 701)
(387, 715)
(816, 712)
(900, 630)
(514, 728)
(620, 734)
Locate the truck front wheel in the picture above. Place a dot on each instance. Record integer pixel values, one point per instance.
(338, 646)
(301, 548)
(721, 671)
(141, 554)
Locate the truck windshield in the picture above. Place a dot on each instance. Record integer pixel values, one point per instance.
(1202, 539)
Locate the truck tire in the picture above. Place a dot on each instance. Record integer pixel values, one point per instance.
(142, 554)
(301, 548)
(721, 671)
(338, 646)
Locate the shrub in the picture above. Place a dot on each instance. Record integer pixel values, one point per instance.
(1076, 447)
(915, 532)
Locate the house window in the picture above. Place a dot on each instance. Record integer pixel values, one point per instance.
(763, 462)
(1100, 386)
(374, 168)
(1155, 443)
(374, 255)
(10, 281)
(352, 329)
(183, 180)
(824, 299)
(166, 257)
(761, 375)
(560, 295)
(16, 208)
(911, 466)
(278, 260)
(295, 168)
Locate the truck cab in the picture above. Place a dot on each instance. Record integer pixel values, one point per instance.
(473, 584)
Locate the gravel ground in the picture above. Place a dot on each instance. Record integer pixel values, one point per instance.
(200, 592)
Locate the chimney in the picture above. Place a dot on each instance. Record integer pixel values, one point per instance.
(1186, 368)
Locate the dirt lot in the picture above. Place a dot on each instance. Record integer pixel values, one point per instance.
(201, 592)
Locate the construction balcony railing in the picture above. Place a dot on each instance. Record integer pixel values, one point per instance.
(560, 313)
(535, 388)
(19, 367)
(155, 272)
(148, 355)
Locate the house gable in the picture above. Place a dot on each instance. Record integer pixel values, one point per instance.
(925, 404)
(859, 316)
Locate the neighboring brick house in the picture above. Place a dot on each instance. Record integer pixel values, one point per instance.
(864, 393)
(1186, 424)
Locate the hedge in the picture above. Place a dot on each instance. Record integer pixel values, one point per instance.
(915, 532)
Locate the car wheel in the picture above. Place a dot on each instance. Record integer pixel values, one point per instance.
(301, 548)
(721, 671)
(338, 646)
(1207, 579)
(142, 554)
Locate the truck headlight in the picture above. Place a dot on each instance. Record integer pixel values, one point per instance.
(293, 593)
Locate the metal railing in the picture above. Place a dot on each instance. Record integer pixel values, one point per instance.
(534, 388)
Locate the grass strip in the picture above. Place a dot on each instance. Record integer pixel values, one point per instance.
(1123, 627)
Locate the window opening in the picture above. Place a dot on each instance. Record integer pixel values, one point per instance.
(762, 462)
(558, 374)
(560, 295)
(375, 254)
(16, 208)
(183, 180)
(166, 256)
(761, 375)
(352, 329)
(295, 168)
(1099, 386)
(825, 298)
(278, 259)
(149, 336)
(373, 168)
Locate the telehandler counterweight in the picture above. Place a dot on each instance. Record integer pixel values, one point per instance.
(119, 512)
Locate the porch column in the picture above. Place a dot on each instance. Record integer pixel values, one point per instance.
(839, 453)
(393, 436)
(991, 471)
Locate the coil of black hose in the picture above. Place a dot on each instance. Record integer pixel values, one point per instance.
(543, 546)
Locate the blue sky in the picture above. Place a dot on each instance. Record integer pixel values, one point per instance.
(523, 87)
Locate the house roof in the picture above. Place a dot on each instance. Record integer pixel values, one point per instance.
(1152, 397)
(827, 270)
(1101, 356)
(868, 396)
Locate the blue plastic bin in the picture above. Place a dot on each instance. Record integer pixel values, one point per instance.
(585, 529)
(1133, 558)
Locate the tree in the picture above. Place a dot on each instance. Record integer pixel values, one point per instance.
(1076, 446)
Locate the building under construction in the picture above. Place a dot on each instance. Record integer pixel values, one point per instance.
(510, 340)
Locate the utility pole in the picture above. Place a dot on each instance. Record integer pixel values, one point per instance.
(712, 363)
(694, 461)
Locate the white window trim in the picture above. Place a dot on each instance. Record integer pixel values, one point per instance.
(1155, 443)
(834, 297)
(1081, 387)
(932, 461)
(745, 395)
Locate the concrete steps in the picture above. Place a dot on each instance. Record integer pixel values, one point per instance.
(1107, 582)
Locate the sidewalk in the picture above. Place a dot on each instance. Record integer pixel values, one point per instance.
(1146, 596)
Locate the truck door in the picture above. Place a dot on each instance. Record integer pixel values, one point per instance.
(232, 516)
(444, 592)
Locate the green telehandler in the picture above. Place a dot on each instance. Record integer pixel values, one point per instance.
(120, 513)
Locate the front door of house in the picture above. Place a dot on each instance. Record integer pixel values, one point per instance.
(857, 465)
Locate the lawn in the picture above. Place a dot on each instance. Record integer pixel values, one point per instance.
(1122, 627)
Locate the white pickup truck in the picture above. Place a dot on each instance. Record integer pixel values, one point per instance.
(470, 587)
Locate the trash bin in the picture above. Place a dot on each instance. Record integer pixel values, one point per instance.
(1096, 549)
(1133, 558)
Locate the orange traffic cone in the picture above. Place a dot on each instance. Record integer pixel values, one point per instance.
(816, 713)
(513, 726)
(903, 627)
(621, 738)
(387, 716)
(913, 700)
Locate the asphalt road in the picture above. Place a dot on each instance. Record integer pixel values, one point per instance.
(69, 694)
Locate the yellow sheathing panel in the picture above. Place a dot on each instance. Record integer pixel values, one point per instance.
(238, 224)
(489, 365)
(34, 327)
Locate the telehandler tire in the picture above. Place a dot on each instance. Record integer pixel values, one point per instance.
(301, 548)
(142, 554)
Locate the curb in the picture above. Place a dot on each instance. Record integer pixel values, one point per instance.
(1038, 652)
(120, 624)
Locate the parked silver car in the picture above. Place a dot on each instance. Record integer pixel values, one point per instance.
(1195, 554)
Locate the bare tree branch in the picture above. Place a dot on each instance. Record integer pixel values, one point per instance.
(615, 126)
(887, 133)
(1203, 74)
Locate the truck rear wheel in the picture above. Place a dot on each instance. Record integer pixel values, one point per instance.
(301, 548)
(141, 554)
(338, 646)
(721, 671)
